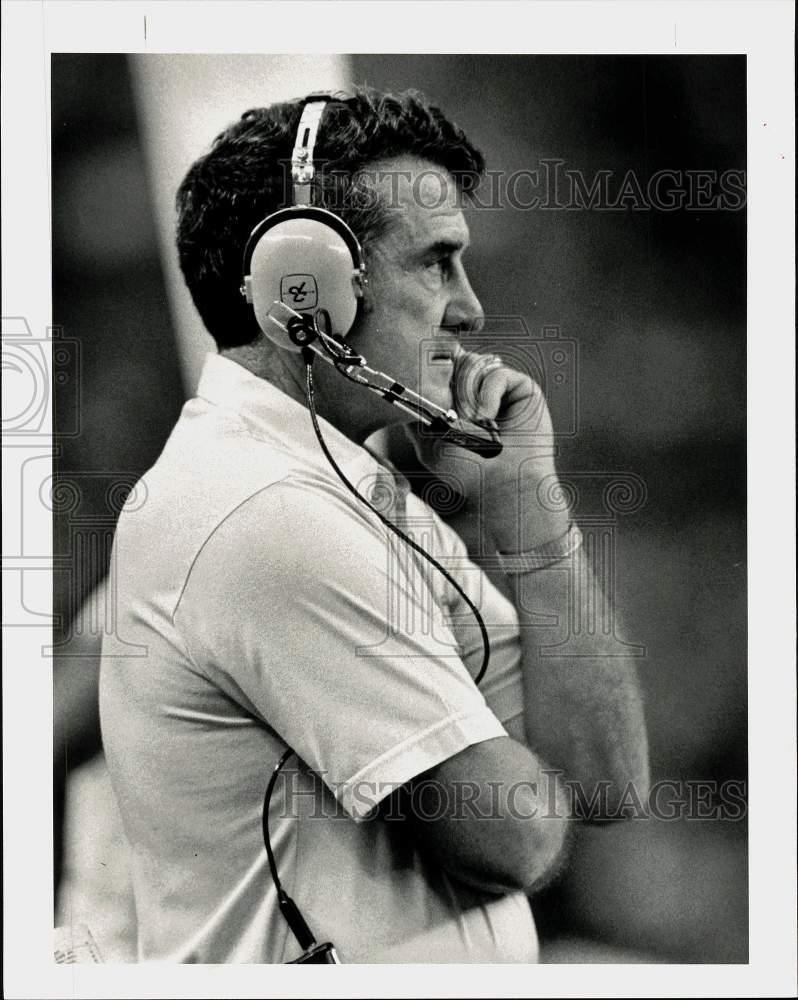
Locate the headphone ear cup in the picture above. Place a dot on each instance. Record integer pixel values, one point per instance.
(298, 257)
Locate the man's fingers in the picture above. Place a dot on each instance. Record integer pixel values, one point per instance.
(492, 390)
(469, 370)
(511, 398)
(471, 376)
(488, 389)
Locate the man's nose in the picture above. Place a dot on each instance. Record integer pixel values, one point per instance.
(464, 313)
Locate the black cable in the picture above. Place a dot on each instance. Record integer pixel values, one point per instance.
(341, 364)
(288, 907)
(265, 820)
(339, 361)
(308, 358)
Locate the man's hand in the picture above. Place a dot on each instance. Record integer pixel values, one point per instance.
(505, 489)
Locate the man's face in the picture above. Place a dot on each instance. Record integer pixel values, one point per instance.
(419, 296)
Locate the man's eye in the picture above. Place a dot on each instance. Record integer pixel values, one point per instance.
(441, 266)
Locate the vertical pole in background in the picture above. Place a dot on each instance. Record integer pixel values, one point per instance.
(183, 102)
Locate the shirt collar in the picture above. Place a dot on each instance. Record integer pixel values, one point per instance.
(273, 415)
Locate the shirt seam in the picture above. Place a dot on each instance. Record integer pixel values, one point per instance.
(211, 533)
(480, 714)
(409, 741)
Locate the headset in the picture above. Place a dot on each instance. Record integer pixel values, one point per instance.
(304, 257)
(304, 274)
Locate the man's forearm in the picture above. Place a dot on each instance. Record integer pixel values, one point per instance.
(583, 713)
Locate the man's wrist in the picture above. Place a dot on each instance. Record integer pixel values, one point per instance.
(541, 556)
(519, 522)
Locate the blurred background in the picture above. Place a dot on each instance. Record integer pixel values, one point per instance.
(654, 303)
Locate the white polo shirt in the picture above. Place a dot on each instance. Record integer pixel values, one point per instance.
(260, 605)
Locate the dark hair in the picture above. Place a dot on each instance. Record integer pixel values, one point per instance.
(246, 175)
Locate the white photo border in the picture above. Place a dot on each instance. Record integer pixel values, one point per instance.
(764, 31)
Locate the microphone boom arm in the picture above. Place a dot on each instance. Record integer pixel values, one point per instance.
(307, 333)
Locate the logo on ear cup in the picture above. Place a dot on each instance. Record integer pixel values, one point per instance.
(299, 291)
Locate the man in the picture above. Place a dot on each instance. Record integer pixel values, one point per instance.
(277, 611)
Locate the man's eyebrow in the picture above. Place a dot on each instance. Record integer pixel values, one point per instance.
(442, 247)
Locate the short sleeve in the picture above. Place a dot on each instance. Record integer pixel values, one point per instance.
(308, 613)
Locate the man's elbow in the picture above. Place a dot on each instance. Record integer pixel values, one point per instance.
(491, 816)
(544, 856)
(537, 857)
(525, 847)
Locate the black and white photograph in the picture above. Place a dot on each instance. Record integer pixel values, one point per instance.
(399, 486)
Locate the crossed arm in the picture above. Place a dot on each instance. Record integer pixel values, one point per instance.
(581, 747)
(578, 749)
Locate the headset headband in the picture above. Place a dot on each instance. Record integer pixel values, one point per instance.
(303, 167)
